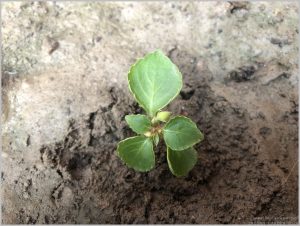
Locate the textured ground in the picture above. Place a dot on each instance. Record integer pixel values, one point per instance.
(65, 97)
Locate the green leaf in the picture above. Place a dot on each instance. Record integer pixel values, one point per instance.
(138, 123)
(137, 152)
(154, 81)
(181, 162)
(180, 133)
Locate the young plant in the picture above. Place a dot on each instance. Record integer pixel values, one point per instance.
(154, 82)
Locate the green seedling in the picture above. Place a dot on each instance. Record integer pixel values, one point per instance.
(154, 82)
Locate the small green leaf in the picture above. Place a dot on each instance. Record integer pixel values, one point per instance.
(154, 81)
(163, 116)
(138, 123)
(181, 162)
(156, 139)
(180, 133)
(137, 152)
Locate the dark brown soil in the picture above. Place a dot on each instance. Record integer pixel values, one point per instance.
(246, 172)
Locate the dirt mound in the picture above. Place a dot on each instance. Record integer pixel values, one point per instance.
(231, 183)
(65, 97)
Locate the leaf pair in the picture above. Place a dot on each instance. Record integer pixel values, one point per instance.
(154, 82)
(137, 152)
(179, 133)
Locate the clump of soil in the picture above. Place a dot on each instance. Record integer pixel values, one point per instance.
(239, 177)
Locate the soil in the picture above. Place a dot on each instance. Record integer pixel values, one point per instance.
(246, 168)
(247, 171)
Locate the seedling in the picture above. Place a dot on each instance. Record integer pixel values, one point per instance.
(154, 82)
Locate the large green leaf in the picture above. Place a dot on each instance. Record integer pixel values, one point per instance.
(181, 162)
(137, 152)
(154, 81)
(138, 123)
(181, 132)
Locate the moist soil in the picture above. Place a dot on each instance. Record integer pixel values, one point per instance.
(246, 170)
